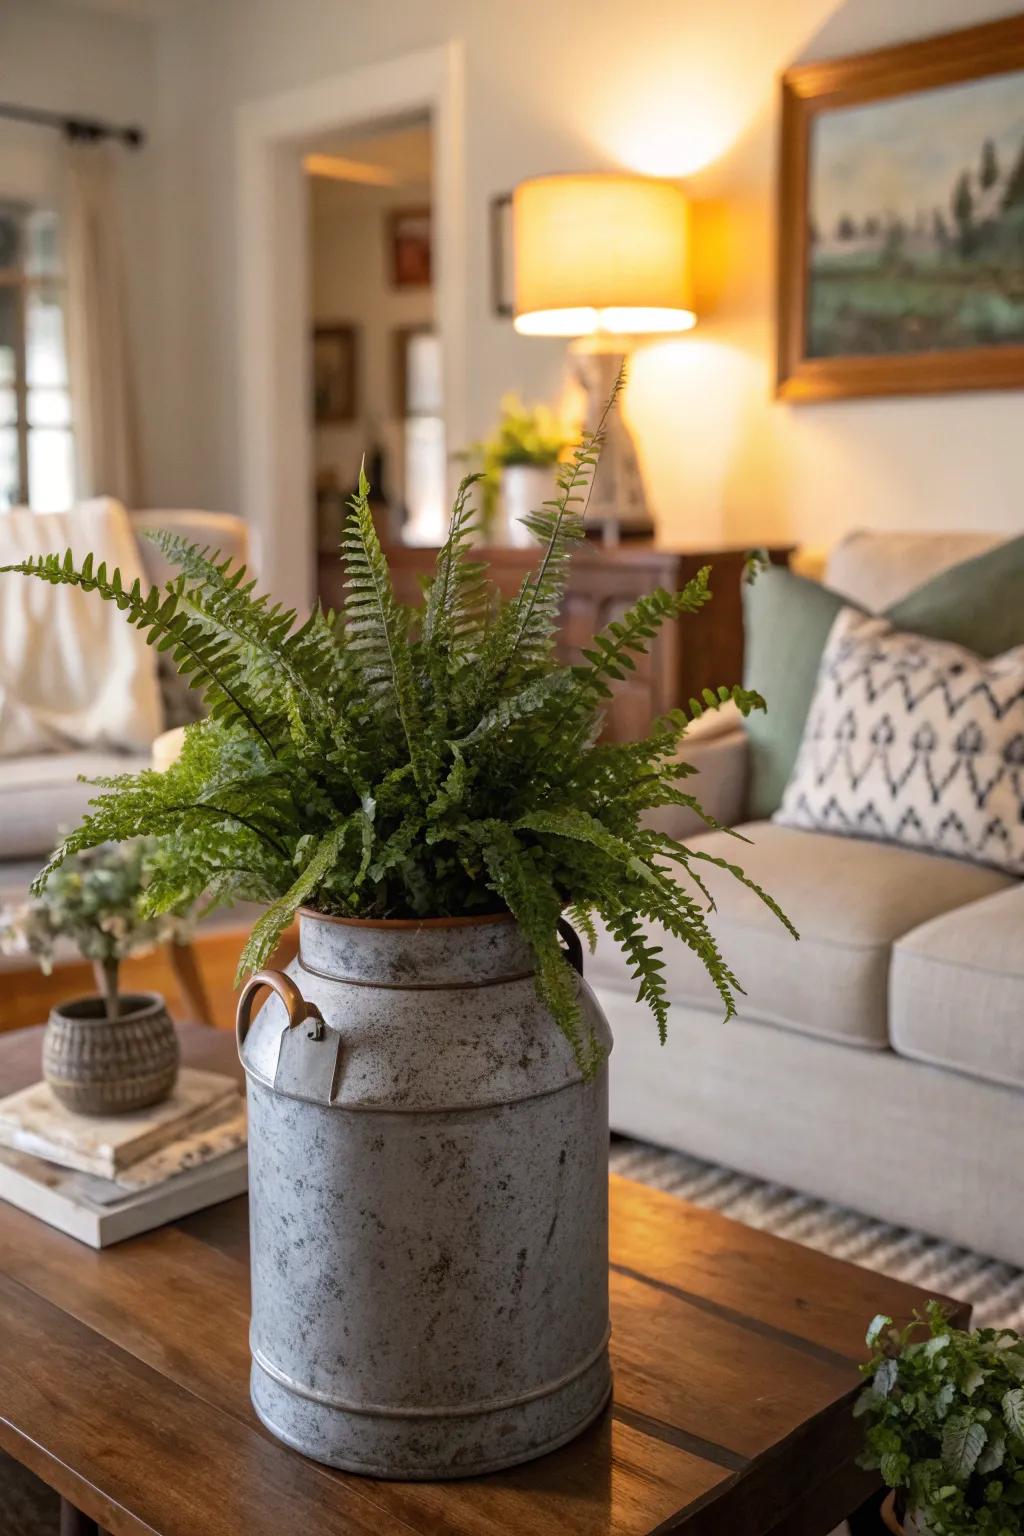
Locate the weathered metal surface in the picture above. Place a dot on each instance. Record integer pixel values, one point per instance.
(428, 1185)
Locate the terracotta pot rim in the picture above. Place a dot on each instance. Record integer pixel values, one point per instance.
(145, 1003)
(400, 924)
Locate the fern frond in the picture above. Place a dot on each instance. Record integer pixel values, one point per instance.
(612, 652)
(210, 665)
(584, 828)
(456, 597)
(517, 707)
(525, 630)
(536, 611)
(647, 966)
(378, 630)
(536, 907)
(276, 647)
(683, 855)
(267, 932)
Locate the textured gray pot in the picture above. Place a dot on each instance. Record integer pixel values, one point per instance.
(100, 1066)
(429, 1202)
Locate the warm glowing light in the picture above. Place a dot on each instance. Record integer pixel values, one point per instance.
(586, 321)
(673, 121)
(605, 253)
(675, 148)
(338, 168)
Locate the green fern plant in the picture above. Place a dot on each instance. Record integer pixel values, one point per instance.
(436, 762)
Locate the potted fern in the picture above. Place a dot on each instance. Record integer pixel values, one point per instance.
(428, 1083)
(944, 1411)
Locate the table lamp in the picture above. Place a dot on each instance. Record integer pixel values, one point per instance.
(604, 256)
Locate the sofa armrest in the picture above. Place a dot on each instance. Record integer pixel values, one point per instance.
(722, 762)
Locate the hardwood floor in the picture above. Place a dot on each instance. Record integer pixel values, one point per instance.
(26, 996)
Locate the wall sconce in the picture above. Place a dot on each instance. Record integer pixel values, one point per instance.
(604, 257)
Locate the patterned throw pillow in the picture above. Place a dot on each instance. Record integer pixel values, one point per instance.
(913, 741)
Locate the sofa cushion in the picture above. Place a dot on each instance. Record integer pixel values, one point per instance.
(915, 741)
(975, 604)
(876, 567)
(849, 900)
(40, 797)
(956, 990)
(787, 620)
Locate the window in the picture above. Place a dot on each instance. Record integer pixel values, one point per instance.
(36, 445)
(424, 447)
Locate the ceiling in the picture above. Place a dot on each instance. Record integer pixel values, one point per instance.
(140, 10)
(399, 156)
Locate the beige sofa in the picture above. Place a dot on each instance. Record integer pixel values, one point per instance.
(880, 1061)
(40, 796)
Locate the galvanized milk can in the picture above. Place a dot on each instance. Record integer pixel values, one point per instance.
(428, 1193)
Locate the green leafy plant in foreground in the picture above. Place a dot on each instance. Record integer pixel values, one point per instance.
(434, 762)
(945, 1424)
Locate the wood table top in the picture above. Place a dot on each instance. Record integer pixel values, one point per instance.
(124, 1383)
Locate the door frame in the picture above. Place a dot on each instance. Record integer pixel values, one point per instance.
(275, 434)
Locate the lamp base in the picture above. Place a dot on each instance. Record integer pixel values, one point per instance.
(617, 500)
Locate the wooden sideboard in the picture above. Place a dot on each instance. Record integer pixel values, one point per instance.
(695, 652)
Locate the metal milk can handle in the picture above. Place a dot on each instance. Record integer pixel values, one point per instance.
(299, 1011)
(573, 947)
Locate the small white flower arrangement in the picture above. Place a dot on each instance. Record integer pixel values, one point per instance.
(95, 900)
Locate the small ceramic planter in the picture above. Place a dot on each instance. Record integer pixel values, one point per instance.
(524, 489)
(100, 1066)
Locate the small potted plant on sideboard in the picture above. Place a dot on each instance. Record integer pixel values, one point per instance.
(945, 1426)
(519, 461)
(110, 1052)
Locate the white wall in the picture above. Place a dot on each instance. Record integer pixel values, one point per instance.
(809, 472)
(68, 58)
(668, 86)
(350, 281)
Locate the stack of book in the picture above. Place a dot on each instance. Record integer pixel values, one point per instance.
(102, 1180)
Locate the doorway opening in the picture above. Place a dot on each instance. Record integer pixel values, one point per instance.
(305, 348)
(376, 351)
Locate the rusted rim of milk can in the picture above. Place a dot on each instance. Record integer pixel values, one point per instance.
(395, 923)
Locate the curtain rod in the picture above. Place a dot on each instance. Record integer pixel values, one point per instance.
(85, 128)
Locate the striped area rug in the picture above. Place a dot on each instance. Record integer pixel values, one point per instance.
(996, 1290)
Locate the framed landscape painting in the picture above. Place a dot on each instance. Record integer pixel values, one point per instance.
(901, 219)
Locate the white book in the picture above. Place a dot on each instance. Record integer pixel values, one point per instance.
(34, 1121)
(99, 1212)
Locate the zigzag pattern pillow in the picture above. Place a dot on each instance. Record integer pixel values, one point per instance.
(913, 741)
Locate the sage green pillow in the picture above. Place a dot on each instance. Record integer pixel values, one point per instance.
(978, 604)
(787, 619)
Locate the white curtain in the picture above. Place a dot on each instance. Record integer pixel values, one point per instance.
(101, 394)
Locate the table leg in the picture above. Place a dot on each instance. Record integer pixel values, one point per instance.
(74, 1523)
(187, 975)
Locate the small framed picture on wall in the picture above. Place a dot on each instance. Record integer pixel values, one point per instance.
(502, 293)
(409, 243)
(901, 218)
(334, 373)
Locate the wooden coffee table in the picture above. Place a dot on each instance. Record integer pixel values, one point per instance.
(124, 1384)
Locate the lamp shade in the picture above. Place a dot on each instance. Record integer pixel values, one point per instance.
(601, 253)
